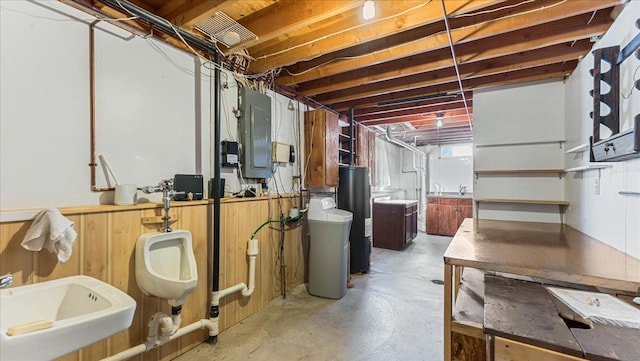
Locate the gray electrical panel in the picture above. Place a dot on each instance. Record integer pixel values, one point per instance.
(254, 130)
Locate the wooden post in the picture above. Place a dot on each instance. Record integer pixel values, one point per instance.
(448, 310)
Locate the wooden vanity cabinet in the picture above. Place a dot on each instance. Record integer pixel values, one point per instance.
(321, 148)
(445, 215)
(395, 223)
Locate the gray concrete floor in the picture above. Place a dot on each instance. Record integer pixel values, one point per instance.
(394, 312)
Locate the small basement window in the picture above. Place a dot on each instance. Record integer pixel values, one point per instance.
(456, 150)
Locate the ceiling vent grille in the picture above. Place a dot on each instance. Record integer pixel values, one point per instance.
(226, 30)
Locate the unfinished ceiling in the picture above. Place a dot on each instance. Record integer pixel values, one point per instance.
(398, 66)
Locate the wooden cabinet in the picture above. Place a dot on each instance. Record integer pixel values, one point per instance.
(366, 150)
(395, 223)
(321, 148)
(445, 215)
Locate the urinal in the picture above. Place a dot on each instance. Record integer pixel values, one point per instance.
(166, 266)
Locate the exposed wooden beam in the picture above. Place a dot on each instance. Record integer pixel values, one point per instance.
(187, 14)
(429, 13)
(410, 111)
(554, 33)
(531, 59)
(291, 15)
(437, 41)
(420, 119)
(523, 75)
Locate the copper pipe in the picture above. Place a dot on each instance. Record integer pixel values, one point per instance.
(92, 108)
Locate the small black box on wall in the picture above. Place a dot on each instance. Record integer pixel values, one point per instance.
(190, 184)
(211, 183)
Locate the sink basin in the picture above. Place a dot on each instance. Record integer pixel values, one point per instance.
(46, 320)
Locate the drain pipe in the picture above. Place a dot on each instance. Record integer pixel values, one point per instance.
(415, 151)
(159, 341)
(214, 311)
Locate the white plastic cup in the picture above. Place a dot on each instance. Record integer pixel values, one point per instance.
(294, 212)
(126, 195)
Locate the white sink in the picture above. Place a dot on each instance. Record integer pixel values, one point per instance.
(73, 312)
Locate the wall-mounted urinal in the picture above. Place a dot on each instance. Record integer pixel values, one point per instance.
(166, 266)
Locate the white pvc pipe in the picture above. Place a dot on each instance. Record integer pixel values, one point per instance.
(141, 348)
(162, 319)
(252, 277)
(104, 161)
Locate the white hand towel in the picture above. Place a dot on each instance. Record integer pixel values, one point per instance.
(52, 230)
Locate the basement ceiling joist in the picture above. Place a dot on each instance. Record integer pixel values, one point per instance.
(398, 67)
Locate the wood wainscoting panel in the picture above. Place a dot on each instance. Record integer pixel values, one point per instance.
(105, 249)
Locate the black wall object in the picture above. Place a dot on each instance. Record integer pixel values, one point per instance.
(229, 154)
(354, 195)
(189, 184)
(221, 183)
(609, 102)
(619, 146)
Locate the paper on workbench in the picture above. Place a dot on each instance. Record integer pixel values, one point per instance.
(598, 307)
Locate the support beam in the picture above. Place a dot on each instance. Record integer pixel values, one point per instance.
(558, 32)
(518, 76)
(532, 59)
(460, 36)
(387, 25)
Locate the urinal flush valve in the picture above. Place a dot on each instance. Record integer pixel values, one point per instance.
(166, 187)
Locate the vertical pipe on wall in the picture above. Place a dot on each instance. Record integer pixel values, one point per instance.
(351, 134)
(92, 107)
(214, 311)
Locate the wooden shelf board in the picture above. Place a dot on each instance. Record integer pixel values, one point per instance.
(344, 151)
(589, 166)
(578, 149)
(518, 171)
(469, 307)
(521, 201)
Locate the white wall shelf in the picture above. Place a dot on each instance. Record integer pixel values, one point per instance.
(560, 172)
(588, 167)
(562, 205)
(581, 148)
(559, 141)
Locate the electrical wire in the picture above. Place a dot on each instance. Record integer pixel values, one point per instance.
(455, 63)
(635, 80)
(493, 10)
(324, 37)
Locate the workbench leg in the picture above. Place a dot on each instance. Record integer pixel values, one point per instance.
(457, 281)
(448, 310)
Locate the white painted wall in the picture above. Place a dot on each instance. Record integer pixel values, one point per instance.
(508, 121)
(448, 173)
(607, 216)
(153, 109)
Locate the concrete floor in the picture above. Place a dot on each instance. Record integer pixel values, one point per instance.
(394, 312)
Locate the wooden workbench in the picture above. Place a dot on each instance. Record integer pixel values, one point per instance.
(545, 251)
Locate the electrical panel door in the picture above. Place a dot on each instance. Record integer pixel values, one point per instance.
(255, 133)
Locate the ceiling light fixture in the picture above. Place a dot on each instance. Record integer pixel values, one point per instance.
(368, 10)
(231, 38)
(439, 117)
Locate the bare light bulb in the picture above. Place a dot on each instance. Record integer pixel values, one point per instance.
(439, 117)
(369, 10)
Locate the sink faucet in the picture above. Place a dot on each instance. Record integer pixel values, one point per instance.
(462, 189)
(166, 187)
(6, 280)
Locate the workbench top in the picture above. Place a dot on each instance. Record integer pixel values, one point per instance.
(550, 251)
